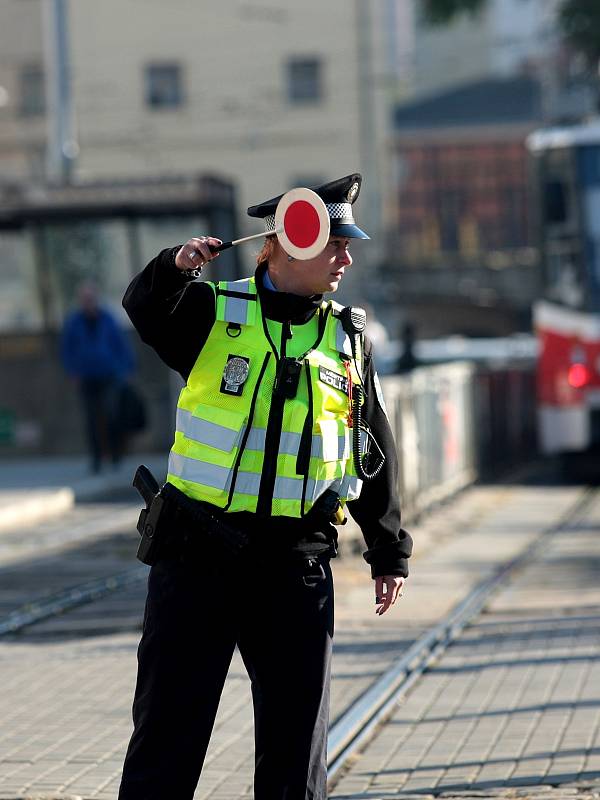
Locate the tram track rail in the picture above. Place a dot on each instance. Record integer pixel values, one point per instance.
(363, 719)
(66, 600)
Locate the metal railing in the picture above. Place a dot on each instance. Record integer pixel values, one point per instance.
(458, 422)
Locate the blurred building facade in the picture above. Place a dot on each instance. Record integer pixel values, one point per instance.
(262, 95)
(269, 96)
(266, 95)
(462, 219)
(464, 232)
(464, 188)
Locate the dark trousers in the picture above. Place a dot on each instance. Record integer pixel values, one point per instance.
(100, 399)
(281, 618)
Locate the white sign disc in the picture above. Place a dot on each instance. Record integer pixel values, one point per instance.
(302, 223)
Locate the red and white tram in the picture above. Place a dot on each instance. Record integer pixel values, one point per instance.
(567, 315)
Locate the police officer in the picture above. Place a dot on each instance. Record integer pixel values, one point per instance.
(265, 443)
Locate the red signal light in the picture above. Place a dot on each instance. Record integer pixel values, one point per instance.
(578, 376)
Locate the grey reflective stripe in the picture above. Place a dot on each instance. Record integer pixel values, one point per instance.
(350, 486)
(291, 488)
(194, 471)
(205, 432)
(247, 483)
(343, 448)
(241, 286)
(289, 444)
(236, 308)
(256, 439)
(223, 438)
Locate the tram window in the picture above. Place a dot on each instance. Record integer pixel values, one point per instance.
(555, 202)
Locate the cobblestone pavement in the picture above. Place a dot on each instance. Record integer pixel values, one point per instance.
(67, 682)
(513, 707)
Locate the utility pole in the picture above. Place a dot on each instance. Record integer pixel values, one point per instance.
(62, 148)
(367, 131)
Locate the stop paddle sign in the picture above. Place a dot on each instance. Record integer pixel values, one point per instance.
(302, 223)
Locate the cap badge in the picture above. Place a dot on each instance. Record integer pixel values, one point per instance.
(352, 192)
(235, 375)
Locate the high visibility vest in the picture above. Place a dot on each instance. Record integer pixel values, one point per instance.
(239, 444)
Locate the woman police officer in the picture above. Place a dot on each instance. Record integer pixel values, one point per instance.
(263, 443)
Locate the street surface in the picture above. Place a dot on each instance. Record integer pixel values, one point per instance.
(519, 684)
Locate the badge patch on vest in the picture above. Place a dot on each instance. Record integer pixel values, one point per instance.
(334, 379)
(235, 374)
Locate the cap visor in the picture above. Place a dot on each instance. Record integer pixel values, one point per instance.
(349, 231)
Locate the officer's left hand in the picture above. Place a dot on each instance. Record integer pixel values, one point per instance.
(388, 588)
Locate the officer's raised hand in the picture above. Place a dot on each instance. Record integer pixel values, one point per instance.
(196, 252)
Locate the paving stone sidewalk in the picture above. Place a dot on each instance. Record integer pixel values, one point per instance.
(33, 490)
(513, 707)
(66, 691)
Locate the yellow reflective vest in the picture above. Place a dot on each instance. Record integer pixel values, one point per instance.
(239, 443)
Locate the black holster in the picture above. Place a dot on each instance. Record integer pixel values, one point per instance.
(169, 514)
(149, 522)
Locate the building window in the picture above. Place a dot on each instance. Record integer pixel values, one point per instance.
(304, 80)
(32, 98)
(164, 86)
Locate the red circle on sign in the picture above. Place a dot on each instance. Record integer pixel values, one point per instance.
(301, 224)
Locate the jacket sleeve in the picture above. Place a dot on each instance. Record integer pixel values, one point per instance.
(377, 509)
(122, 353)
(171, 313)
(68, 345)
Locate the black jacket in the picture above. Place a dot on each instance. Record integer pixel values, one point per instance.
(175, 315)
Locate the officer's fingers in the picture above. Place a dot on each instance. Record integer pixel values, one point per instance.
(378, 589)
(187, 257)
(383, 597)
(386, 603)
(392, 586)
(202, 247)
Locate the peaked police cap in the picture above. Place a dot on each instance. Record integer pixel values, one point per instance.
(338, 196)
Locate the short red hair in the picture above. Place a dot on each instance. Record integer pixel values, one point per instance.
(266, 252)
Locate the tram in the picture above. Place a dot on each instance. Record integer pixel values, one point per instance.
(566, 166)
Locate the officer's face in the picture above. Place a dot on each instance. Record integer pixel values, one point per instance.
(323, 273)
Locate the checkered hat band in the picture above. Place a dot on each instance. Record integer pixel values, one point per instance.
(338, 212)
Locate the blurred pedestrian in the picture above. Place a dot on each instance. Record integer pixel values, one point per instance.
(96, 354)
(408, 360)
(264, 463)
